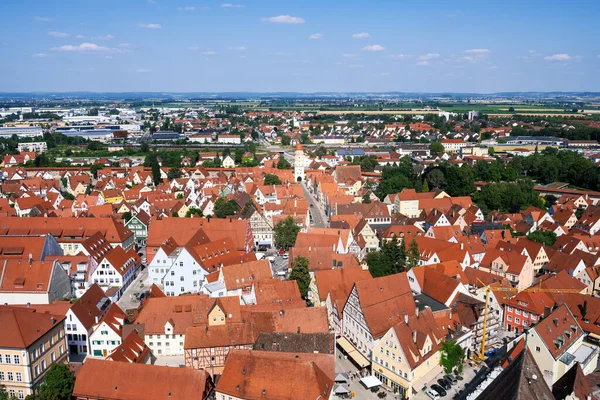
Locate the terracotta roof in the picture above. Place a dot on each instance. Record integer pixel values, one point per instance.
(128, 381)
(249, 374)
(552, 330)
(133, 349)
(21, 276)
(91, 305)
(21, 327)
(338, 282)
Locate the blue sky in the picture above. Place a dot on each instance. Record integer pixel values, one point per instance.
(306, 46)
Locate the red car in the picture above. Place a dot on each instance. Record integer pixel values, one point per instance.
(281, 252)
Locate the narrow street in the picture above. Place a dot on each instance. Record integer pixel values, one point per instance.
(319, 220)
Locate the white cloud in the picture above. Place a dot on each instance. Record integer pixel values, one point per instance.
(85, 47)
(194, 48)
(280, 54)
(423, 63)
(104, 37)
(237, 48)
(361, 35)
(124, 44)
(350, 55)
(143, 70)
(149, 26)
(400, 56)
(316, 36)
(108, 57)
(209, 52)
(284, 19)
(428, 56)
(229, 5)
(42, 19)
(374, 47)
(491, 67)
(304, 62)
(80, 37)
(40, 55)
(58, 34)
(478, 51)
(356, 66)
(558, 57)
(188, 8)
(382, 74)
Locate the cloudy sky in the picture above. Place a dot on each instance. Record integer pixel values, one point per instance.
(306, 46)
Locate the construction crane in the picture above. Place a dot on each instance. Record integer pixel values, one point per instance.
(489, 288)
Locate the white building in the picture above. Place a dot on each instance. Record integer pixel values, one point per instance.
(38, 147)
(21, 131)
(107, 333)
(229, 139)
(299, 175)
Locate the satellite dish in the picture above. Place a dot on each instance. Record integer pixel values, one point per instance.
(534, 377)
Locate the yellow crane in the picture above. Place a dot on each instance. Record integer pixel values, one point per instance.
(489, 288)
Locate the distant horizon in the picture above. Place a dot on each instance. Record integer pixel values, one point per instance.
(308, 46)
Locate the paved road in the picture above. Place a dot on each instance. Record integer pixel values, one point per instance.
(345, 366)
(318, 216)
(139, 285)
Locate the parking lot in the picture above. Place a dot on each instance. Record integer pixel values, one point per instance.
(468, 374)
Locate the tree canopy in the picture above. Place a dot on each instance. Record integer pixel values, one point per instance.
(224, 208)
(271, 179)
(286, 232)
(300, 274)
(452, 356)
(546, 238)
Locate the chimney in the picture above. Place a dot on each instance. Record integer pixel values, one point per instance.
(555, 321)
(462, 246)
(406, 319)
(414, 336)
(53, 320)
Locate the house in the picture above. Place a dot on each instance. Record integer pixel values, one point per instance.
(115, 271)
(29, 344)
(106, 336)
(133, 381)
(557, 343)
(408, 355)
(139, 224)
(526, 309)
(331, 287)
(36, 282)
(248, 375)
(453, 145)
(371, 309)
(81, 318)
(132, 349)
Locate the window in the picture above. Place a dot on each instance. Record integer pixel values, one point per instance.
(1, 376)
(510, 308)
(36, 371)
(517, 320)
(9, 375)
(52, 357)
(509, 317)
(44, 364)
(7, 358)
(19, 377)
(16, 360)
(21, 395)
(537, 349)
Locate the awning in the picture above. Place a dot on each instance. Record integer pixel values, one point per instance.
(339, 377)
(353, 353)
(340, 389)
(370, 381)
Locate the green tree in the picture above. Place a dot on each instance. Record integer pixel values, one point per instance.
(413, 255)
(156, 174)
(59, 384)
(144, 147)
(286, 232)
(436, 178)
(271, 179)
(194, 211)
(95, 168)
(283, 163)
(174, 173)
(366, 199)
(224, 208)
(436, 148)
(300, 274)
(425, 187)
(286, 140)
(452, 357)
(545, 237)
(127, 216)
(304, 138)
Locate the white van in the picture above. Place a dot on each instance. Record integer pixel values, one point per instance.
(433, 394)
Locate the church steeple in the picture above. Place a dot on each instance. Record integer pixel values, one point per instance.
(299, 164)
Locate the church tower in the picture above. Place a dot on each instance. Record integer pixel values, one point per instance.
(299, 164)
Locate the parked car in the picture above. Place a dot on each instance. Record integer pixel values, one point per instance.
(281, 252)
(491, 352)
(443, 383)
(432, 394)
(452, 378)
(439, 389)
(285, 256)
